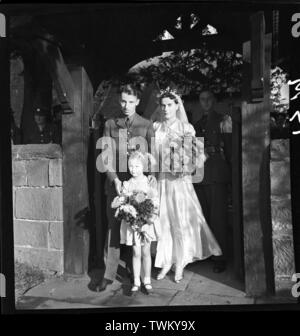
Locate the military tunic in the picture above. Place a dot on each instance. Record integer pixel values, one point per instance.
(48, 135)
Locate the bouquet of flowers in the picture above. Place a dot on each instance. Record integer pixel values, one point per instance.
(183, 154)
(137, 208)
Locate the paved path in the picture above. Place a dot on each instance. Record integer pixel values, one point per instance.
(200, 286)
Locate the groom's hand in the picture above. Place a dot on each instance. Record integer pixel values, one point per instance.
(118, 185)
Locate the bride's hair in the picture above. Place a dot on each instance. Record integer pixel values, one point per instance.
(168, 93)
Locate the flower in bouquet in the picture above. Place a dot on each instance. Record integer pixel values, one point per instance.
(154, 197)
(118, 201)
(129, 209)
(140, 197)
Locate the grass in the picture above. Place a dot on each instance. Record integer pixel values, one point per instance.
(26, 277)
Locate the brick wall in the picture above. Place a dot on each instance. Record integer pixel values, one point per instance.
(38, 205)
(282, 230)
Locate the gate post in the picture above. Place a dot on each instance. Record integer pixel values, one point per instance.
(255, 154)
(75, 134)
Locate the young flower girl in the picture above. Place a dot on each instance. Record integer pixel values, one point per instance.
(150, 231)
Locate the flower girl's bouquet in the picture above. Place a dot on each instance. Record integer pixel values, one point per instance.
(137, 208)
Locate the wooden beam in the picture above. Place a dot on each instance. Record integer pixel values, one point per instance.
(237, 217)
(6, 196)
(58, 70)
(265, 182)
(75, 128)
(257, 56)
(252, 145)
(256, 184)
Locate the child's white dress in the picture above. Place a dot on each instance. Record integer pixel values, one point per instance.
(127, 235)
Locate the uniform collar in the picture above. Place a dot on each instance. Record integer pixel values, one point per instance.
(132, 117)
(121, 121)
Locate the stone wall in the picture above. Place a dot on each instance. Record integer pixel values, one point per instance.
(282, 230)
(38, 205)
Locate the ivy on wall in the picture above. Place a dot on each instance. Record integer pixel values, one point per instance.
(278, 80)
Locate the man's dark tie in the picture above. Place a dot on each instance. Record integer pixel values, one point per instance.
(127, 122)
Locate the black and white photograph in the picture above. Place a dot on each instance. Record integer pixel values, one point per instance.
(150, 154)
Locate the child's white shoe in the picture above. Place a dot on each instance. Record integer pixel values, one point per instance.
(148, 288)
(135, 288)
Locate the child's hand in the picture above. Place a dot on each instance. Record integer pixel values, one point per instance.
(118, 186)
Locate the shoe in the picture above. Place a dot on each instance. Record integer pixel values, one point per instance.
(219, 266)
(102, 286)
(148, 288)
(135, 288)
(163, 272)
(92, 286)
(178, 275)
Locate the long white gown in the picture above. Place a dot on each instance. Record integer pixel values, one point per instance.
(185, 235)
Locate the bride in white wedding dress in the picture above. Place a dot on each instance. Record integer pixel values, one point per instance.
(185, 235)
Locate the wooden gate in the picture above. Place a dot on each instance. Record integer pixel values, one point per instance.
(255, 159)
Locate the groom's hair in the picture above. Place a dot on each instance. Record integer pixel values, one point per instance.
(130, 89)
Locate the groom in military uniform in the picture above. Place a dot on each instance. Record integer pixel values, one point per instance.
(132, 125)
(213, 190)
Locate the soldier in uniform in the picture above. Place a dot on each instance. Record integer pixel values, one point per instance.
(43, 131)
(133, 126)
(213, 190)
